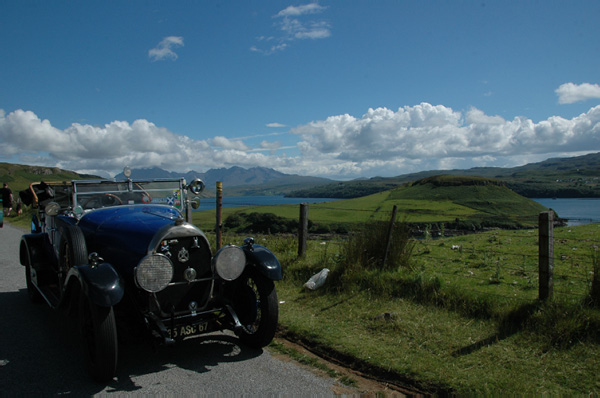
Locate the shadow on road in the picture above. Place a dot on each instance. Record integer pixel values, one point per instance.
(40, 353)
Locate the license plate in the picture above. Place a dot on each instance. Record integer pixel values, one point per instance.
(187, 330)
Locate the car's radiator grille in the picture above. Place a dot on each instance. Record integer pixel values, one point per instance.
(188, 252)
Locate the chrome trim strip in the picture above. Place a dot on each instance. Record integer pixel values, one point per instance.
(194, 281)
(189, 315)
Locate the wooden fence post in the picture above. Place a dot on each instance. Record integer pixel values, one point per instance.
(389, 236)
(219, 226)
(303, 229)
(546, 254)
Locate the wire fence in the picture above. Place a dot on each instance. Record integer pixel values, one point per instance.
(511, 275)
(508, 264)
(504, 264)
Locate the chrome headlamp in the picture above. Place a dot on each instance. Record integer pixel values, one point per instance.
(154, 273)
(230, 262)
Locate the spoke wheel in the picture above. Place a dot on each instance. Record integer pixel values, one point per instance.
(99, 337)
(257, 308)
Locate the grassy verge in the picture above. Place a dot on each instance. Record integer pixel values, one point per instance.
(436, 350)
(312, 362)
(23, 221)
(430, 331)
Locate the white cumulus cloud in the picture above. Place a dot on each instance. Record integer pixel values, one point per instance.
(275, 125)
(164, 49)
(570, 93)
(226, 143)
(294, 23)
(381, 142)
(295, 11)
(427, 136)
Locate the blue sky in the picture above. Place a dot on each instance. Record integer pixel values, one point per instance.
(339, 89)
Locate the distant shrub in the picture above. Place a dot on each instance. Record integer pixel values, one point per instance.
(320, 229)
(233, 221)
(445, 180)
(266, 223)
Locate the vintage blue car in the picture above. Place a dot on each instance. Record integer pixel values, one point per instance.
(125, 252)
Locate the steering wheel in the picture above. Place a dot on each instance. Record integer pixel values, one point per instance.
(100, 197)
(146, 198)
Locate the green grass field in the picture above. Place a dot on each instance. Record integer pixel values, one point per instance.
(450, 326)
(463, 321)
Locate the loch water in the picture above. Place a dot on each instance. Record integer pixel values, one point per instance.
(577, 211)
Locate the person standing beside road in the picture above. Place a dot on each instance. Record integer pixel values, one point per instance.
(7, 198)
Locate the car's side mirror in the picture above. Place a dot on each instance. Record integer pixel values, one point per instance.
(196, 186)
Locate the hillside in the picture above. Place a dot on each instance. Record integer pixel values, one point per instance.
(574, 177)
(489, 197)
(18, 177)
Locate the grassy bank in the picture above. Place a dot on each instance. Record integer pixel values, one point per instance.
(436, 350)
(450, 321)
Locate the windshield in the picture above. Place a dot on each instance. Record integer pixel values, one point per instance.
(98, 194)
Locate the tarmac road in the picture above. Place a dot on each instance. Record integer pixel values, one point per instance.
(40, 354)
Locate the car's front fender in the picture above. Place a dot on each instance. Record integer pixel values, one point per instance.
(101, 283)
(31, 249)
(264, 260)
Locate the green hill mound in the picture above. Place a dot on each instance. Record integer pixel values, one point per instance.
(493, 203)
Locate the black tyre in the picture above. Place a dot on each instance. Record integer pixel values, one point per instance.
(99, 337)
(72, 251)
(257, 308)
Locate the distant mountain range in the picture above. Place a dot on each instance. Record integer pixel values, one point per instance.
(573, 177)
(237, 180)
(559, 177)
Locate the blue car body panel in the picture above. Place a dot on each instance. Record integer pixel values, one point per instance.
(121, 235)
(100, 283)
